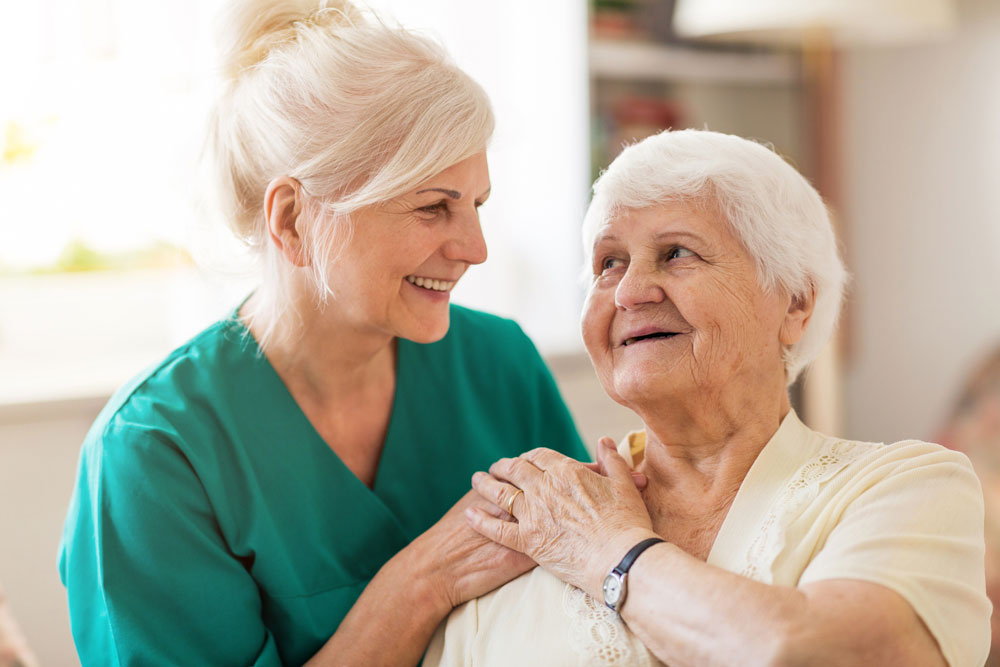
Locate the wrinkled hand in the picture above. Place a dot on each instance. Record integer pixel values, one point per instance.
(461, 563)
(574, 521)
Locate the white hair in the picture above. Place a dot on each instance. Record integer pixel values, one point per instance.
(355, 110)
(776, 214)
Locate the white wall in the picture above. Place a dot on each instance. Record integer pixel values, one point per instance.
(38, 454)
(922, 201)
(531, 58)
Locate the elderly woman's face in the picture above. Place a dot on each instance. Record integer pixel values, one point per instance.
(396, 272)
(675, 310)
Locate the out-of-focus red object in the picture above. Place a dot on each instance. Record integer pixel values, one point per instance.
(658, 114)
(636, 118)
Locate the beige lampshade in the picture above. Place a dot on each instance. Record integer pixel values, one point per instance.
(848, 22)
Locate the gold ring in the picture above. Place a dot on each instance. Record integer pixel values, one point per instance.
(510, 502)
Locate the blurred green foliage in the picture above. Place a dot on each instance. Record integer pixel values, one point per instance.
(18, 144)
(77, 257)
(621, 5)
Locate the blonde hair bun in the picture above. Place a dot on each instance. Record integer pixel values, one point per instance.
(249, 29)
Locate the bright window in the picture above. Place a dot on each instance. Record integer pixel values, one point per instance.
(101, 116)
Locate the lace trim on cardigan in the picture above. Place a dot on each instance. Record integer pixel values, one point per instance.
(803, 488)
(598, 635)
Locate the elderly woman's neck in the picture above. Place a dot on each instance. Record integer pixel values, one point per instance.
(714, 444)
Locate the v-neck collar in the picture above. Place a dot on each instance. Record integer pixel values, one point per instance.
(765, 480)
(287, 419)
(779, 459)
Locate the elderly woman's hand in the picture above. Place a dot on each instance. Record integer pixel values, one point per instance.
(573, 521)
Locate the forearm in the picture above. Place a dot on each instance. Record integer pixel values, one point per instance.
(690, 613)
(391, 622)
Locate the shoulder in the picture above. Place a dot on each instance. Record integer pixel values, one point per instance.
(819, 458)
(468, 325)
(494, 371)
(907, 516)
(168, 393)
(911, 454)
(910, 483)
(879, 460)
(840, 478)
(941, 481)
(485, 341)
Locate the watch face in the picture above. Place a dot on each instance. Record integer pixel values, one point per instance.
(612, 590)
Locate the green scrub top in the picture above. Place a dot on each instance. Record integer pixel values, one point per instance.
(211, 525)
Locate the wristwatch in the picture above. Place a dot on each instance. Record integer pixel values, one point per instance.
(615, 587)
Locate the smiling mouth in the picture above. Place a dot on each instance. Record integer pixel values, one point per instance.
(658, 334)
(431, 284)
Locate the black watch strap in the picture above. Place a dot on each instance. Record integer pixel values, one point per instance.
(633, 553)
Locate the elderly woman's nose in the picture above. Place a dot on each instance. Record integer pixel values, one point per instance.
(638, 287)
(467, 243)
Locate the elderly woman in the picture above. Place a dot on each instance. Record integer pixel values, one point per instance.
(755, 540)
(277, 490)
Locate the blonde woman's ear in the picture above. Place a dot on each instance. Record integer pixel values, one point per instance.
(283, 208)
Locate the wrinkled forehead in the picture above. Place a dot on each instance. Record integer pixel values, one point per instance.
(602, 218)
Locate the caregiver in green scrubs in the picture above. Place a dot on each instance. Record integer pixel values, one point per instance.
(289, 485)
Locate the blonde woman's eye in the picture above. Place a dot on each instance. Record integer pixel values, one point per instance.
(434, 209)
(679, 252)
(609, 263)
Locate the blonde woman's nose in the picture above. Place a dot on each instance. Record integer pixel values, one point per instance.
(467, 243)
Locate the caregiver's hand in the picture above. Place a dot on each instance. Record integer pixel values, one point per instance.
(416, 589)
(573, 521)
(460, 563)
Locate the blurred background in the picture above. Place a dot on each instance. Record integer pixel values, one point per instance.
(891, 108)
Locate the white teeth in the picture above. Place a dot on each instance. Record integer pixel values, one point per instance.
(431, 283)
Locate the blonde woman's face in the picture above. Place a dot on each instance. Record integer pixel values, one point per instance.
(395, 274)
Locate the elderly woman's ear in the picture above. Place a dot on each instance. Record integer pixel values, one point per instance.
(800, 308)
(283, 206)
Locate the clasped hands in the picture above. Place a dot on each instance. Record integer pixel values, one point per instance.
(574, 519)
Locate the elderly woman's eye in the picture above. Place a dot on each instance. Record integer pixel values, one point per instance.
(609, 263)
(679, 252)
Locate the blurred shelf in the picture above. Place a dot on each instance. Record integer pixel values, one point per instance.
(640, 61)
